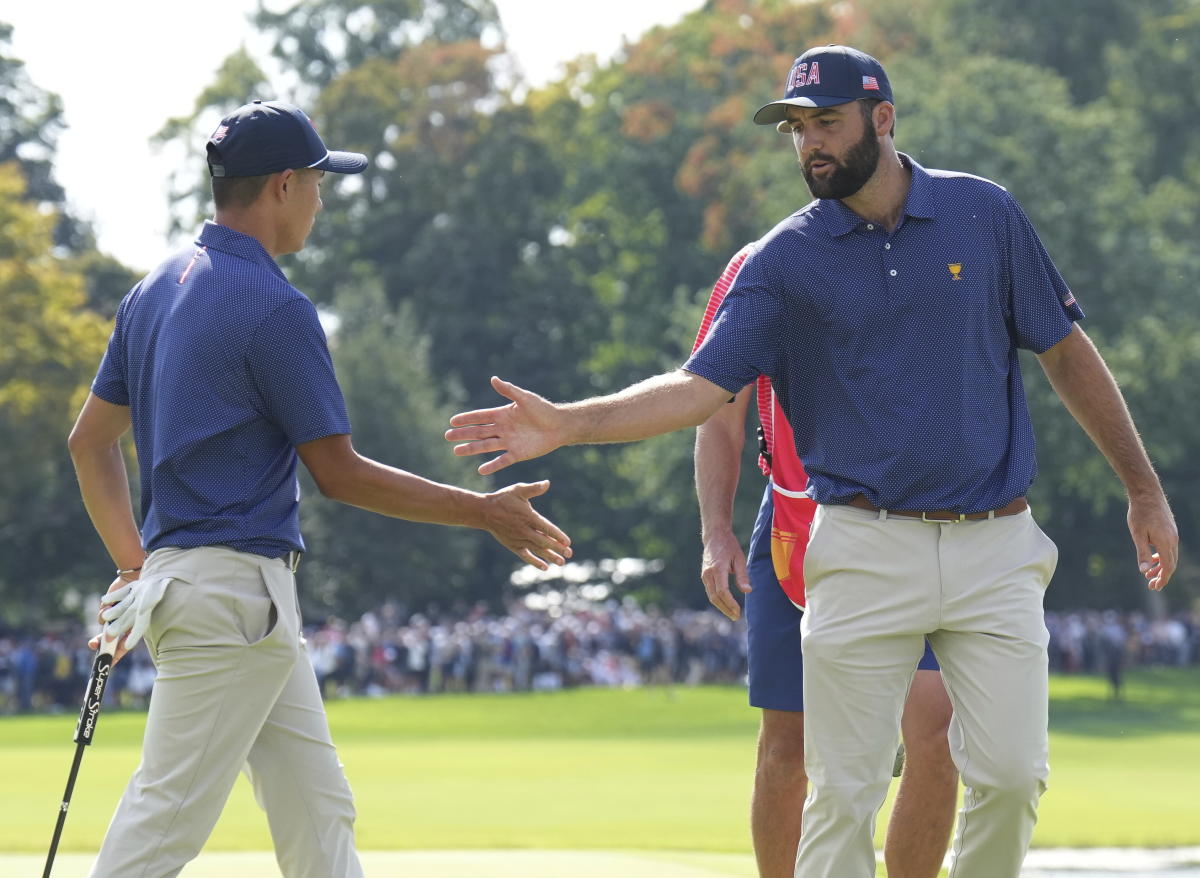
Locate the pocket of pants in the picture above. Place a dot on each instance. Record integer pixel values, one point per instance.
(1050, 550)
(818, 536)
(174, 607)
(232, 608)
(257, 614)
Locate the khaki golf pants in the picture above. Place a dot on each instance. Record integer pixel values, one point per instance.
(877, 585)
(235, 691)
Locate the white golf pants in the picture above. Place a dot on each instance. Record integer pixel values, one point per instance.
(877, 586)
(235, 691)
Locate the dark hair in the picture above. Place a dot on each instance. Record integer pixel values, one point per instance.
(235, 192)
(867, 107)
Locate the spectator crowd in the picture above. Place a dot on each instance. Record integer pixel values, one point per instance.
(560, 645)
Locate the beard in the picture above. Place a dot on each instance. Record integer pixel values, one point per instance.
(848, 175)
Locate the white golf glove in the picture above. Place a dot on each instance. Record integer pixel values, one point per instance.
(129, 607)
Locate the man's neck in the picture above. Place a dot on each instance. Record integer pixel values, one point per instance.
(252, 224)
(881, 199)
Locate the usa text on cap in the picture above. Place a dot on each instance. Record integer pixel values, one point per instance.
(825, 76)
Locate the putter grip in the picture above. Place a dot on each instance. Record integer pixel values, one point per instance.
(93, 696)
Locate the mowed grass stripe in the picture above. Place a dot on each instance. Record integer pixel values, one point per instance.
(601, 769)
(675, 712)
(448, 864)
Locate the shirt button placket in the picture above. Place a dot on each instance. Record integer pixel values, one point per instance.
(891, 272)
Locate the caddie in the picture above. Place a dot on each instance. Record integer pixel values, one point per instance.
(221, 369)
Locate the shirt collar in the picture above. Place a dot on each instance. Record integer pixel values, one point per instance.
(218, 237)
(840, 220)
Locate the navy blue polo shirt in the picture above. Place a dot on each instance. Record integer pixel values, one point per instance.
(225, 368)
(894, 356)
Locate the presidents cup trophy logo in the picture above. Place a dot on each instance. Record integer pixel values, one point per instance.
(955, 270)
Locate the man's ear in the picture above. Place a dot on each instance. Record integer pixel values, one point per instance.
(281, 182)
(884, 118)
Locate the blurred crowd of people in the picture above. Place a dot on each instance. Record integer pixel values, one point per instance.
(1107, 642)
(562, 645)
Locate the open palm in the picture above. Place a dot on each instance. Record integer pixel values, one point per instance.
(529, 426)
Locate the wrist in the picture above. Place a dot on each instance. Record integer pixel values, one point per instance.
(570, 427)
(1144, 492)
(711, 530)
(474, 510)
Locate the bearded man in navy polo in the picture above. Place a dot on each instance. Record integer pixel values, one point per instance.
(887, 315)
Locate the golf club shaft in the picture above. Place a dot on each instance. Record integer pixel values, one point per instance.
(93, 697)
(62, 810)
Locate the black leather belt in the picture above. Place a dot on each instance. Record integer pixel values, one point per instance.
(858, 501)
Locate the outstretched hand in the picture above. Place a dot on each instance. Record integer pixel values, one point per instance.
(516, 525)
(527, 427)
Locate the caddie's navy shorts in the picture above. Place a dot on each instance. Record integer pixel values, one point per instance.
(776, 666)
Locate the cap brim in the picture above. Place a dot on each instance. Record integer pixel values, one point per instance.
(343, 163)
(776, 111)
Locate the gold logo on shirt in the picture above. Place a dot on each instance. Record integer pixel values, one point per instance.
(955, 270)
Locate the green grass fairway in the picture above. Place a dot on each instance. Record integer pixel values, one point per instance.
(664, 773)
(445, 864)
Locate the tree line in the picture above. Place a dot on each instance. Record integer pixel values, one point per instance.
(565, 237)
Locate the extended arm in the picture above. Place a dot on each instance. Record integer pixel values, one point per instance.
(342, 474)
(719, 443)
(531, 426)
(1082, 380)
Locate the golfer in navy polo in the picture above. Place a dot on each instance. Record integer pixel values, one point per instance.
(888, 314)
(922, 817)
(220, 366)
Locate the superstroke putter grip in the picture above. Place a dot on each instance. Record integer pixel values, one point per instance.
(93, 696)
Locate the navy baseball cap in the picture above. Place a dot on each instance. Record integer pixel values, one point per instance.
(825, 76)
(265, 137)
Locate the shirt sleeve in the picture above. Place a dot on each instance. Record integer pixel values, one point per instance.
(293, 374)
(719, 291)
(743, 341)
(110, 383)
(1043, 307)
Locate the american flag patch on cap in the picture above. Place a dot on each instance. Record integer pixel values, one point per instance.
(220, 133)
(869, 82)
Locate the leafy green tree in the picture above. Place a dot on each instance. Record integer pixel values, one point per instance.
(56, 290)
(52, 345)
(398, 411)
(1152, 90)
(239, 79)
(1068, 37)
(323, 39)
(567, 240)
(30, 121)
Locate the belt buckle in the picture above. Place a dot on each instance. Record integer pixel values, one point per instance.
(960, 517)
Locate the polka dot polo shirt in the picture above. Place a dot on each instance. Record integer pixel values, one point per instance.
(895, 355)
(225, 368)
